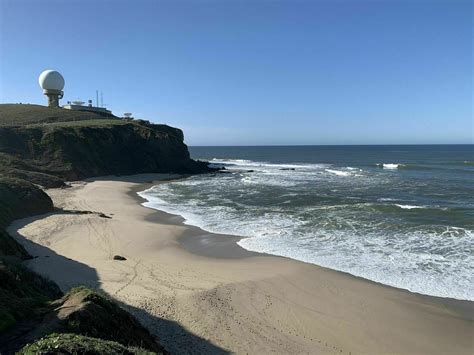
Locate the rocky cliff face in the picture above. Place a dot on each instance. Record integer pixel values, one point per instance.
(19, 199)
(76, 150)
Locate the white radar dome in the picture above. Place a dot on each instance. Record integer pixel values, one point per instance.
(51, 80)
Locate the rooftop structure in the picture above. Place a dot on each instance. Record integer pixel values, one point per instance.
(79, 106)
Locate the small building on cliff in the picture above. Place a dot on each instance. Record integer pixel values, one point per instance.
(90, 108)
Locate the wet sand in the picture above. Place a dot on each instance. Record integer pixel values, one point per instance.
(202, 293)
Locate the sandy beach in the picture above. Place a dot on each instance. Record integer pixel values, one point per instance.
(202, 293)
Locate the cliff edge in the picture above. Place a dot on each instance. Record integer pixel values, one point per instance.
(74, 145)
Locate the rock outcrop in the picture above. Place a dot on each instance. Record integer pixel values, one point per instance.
(83, 311)
(91, 147)
(19, 199)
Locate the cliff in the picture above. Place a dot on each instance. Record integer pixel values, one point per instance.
(18, 199)
(87, 144)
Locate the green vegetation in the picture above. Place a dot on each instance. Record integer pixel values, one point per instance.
(20, 198)
(23, 293)
(83, 123)
(82, 321)
(84, 311)
(78, 344)
(16, 168)
(10, 247)
(23, 114)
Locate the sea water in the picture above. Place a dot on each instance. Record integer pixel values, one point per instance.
(399, 215)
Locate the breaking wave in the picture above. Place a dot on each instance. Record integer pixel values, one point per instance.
(390, 166)
(377, 225)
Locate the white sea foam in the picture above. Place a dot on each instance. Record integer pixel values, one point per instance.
(272, 174)
(390, 166)
(344, 236)
(399, 268)
(241, 163)
(338, 172)
(248, 180)
(409, 207)
(236, 161)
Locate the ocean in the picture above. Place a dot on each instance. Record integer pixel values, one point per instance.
(399, 215)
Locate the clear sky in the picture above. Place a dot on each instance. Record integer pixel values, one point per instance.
(255, 72)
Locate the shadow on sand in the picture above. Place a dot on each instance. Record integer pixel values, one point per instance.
(171, 335)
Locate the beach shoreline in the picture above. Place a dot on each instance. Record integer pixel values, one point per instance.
(217, 245)
(195, 239)
(205, 281)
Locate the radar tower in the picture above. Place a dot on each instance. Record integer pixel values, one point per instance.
(52, 83)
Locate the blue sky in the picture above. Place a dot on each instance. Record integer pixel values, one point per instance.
(255, 72)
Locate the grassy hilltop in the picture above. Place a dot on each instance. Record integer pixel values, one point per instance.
(25, 114)
(42, 147)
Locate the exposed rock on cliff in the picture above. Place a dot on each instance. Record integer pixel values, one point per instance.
(18, 199)
(83, 311)
(92, 147)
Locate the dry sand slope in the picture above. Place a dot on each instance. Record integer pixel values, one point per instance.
(220, 298)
